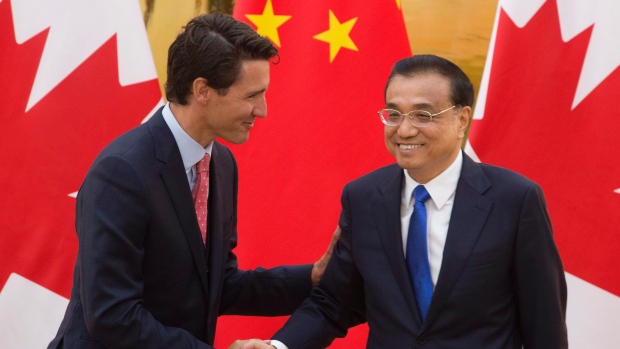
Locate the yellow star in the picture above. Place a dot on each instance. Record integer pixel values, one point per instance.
(267, 24)
(398, 4)
(337, 36)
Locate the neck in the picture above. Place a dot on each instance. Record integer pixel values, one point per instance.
(192, 122)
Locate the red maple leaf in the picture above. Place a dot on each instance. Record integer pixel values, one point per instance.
(47, 150)
(530, 127)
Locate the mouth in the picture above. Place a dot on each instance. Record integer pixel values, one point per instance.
(409, 146)
(248, 124)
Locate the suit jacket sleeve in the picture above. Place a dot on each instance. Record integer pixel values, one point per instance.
(539, 277)
(336, 304)
(265, 292)
(112, 217)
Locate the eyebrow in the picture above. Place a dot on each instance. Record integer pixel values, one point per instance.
(419, 106)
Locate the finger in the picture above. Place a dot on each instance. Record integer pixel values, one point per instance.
(336, 234)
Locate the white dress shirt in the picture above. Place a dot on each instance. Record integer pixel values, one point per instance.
(191, 151)
(438, 210)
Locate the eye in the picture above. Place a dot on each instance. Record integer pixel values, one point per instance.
(393, 115)
(255, 95)
(422, 116)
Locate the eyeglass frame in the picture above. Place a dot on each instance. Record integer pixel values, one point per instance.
(410, 117)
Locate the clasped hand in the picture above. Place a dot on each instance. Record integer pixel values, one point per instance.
(251, 344)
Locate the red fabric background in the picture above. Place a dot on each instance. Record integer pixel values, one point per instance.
(321, 131)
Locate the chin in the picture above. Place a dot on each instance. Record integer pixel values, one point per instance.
(408, 165)
(238, 140)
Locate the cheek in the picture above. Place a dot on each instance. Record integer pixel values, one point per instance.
(389, 132)
(245, 111)
(387, 135)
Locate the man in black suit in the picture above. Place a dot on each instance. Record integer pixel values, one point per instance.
(155, 265)
(437, 251)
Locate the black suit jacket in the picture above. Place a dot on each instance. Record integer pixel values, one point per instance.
(501, 282)
(142, 277)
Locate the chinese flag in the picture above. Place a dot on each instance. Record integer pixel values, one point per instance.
(548, 109)
(74, 76)
(322, 131)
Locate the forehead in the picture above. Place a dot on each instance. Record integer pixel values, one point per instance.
(254, 74)
(422, 88)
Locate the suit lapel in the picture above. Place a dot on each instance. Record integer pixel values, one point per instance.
(468, 217)
(217, 171)
(387, 222)
(175, 180)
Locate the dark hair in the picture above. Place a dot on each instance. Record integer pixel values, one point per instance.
(212, 46)
(462, 90)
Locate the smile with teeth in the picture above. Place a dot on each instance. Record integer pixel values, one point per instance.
(409, 146)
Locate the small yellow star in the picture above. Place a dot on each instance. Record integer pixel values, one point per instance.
(337, 36)
(398, 4)
(267, 24)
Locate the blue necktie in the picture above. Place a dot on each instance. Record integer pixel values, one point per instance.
(417, 252)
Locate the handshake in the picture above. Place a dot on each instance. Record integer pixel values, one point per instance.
(251, 344)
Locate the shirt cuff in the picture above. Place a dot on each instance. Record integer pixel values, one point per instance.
(278, 344)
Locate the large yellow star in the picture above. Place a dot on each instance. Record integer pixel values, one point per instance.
(398, 4)
(267, 24)
(338, 35)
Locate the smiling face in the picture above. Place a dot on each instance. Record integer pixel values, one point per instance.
(427, 151)
(231, 116)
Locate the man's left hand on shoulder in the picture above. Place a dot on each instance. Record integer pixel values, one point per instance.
(318, 269)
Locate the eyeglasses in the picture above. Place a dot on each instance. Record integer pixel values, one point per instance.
(418, 118)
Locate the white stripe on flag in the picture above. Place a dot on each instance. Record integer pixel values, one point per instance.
(29, 314)
(592, 317)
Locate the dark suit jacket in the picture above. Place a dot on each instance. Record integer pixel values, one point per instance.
(142, 277)
(501, 283)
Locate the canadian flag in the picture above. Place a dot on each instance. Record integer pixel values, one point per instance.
(547, 108)
(74, 75)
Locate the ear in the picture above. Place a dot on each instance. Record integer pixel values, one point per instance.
(464, 117)
(201, 91)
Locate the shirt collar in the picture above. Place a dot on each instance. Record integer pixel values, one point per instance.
(191, 151)
(440, 188)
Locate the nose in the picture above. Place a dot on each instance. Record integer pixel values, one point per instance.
(260, 108)
(406, 129)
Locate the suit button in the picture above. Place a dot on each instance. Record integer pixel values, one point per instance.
(421, 339)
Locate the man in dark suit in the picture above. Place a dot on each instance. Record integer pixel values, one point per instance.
(157, 212)
(437, 251)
